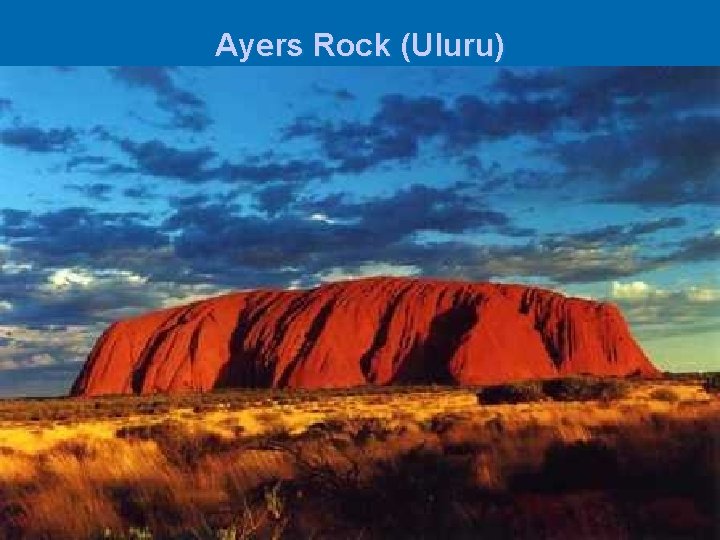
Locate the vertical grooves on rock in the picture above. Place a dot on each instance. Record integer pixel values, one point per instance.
(245, 365)
(146, 358)
(380, 330)
(381, 336)
(316, 328)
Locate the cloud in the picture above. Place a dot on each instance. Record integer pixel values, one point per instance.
(260, 170)
(632, 290)
(401, 123)
(140, 192)
(339, 94)
(311, 237)
(5, 105)
(97, 191)
(27, 347)
(667, 162)
(195, 165)
(659, 313)
(567, 264)
(186, 109)
(313, 234)
(413, 209)
(274, 198)
(368, 269)
(638, 135)
(85, 162)
(77, 233)
(620, 234)
(88, 296)
(155, 158)
(34, 139)
(64, 279)
(322, 217)
(697, 249)
(598, 93)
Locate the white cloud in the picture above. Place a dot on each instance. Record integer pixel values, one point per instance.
(33, 361)
(632, 290)
(13, 268)
(698, 294)
(64, 279)
(186, 294)
(9, 364)
(369, 269)
(40, 360)
(640, 290)
(24, 347)
(5, 305)
(321, 217)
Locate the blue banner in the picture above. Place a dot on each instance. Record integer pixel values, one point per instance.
(366, 33)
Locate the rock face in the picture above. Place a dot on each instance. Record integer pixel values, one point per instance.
(370, 331)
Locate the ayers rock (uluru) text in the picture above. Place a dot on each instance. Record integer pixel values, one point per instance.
(370, 331)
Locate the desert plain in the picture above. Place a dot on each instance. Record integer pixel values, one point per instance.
(638, 460)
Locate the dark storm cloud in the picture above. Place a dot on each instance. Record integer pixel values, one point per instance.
(155, 158)
(73, 234)
(308, 237)
(554, 264)
(415, 208)
(262, 169)
(213, 242)
(598, 92)
(97, 191)
(98, 165)
(646, 136)
(618, 234)
(340, 94)
(274, 198)
(402, 123)
(76, 162)
(140, 192)
(187, 110)
(34, 139)
(195, 165)
(697, 249)
(320, 232)
(661, 163)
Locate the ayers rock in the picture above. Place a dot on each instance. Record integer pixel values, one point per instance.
(369, 331)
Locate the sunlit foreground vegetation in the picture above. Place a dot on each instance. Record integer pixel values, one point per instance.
(566, 459)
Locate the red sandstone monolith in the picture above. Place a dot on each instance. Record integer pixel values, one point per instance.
(371, 331)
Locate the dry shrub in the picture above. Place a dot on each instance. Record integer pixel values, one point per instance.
(584, 389)
(664, 394)
(562, 389)
(711, 384)
(513, 393)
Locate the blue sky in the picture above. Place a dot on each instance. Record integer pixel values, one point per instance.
(128, 189)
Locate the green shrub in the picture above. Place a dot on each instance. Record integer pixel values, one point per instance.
(521, 392)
